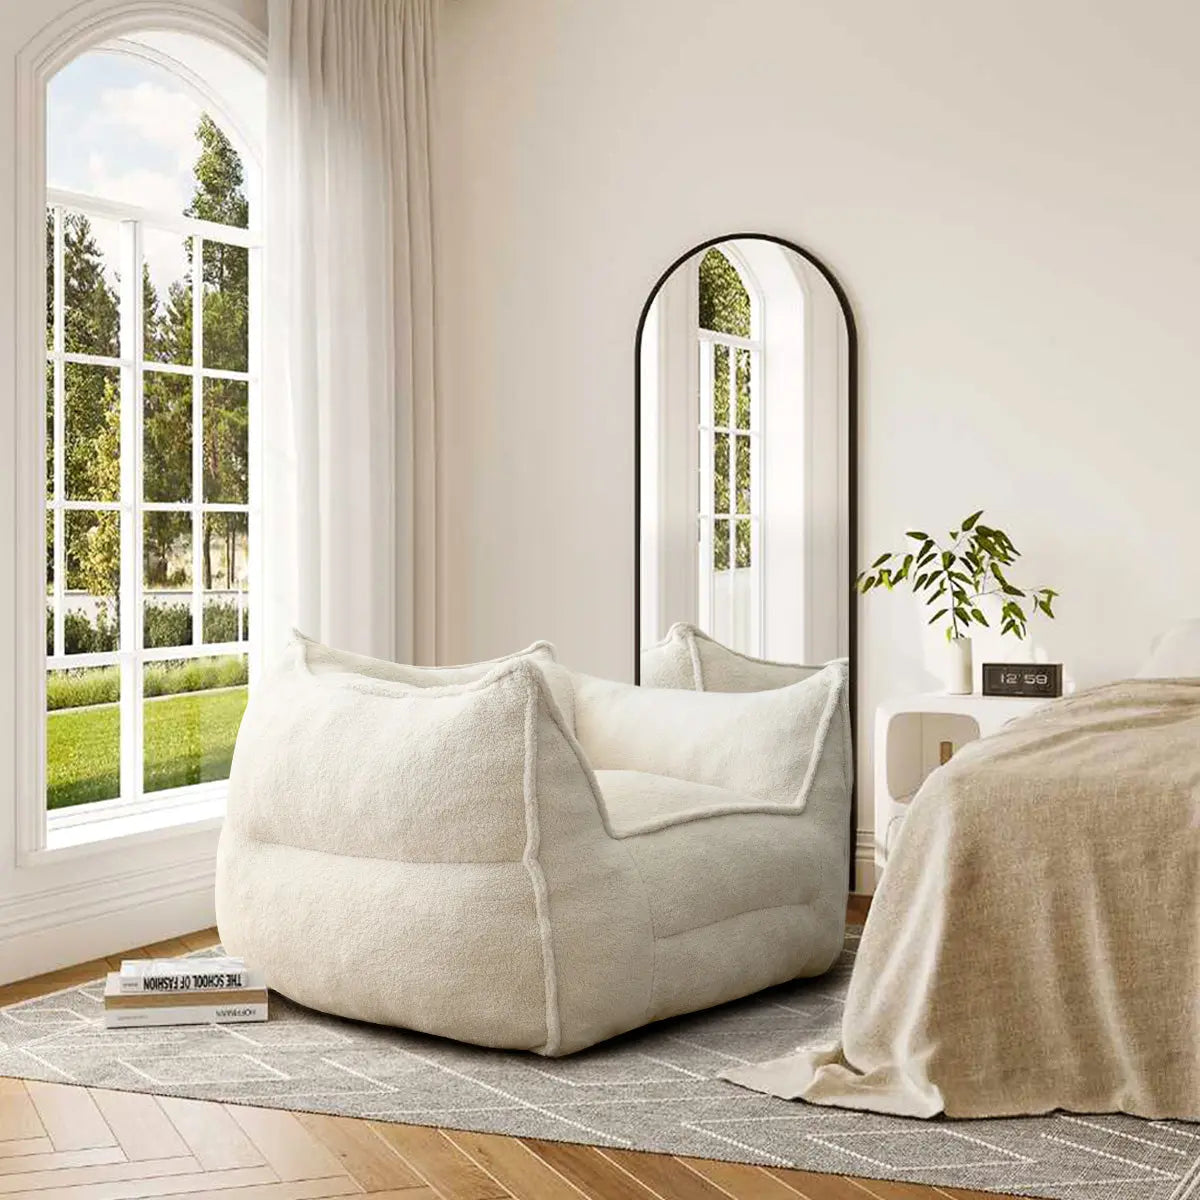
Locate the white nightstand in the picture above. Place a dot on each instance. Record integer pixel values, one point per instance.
(909, 732)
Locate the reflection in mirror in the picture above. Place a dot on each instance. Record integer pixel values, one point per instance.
(745, 417)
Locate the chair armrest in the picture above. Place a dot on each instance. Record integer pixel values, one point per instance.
(352, 764)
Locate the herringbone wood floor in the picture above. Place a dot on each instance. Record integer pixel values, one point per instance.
(73, 1143)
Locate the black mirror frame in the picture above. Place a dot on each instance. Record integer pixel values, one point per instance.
(852, 477)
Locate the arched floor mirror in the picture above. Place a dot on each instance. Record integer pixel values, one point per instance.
(745, 420)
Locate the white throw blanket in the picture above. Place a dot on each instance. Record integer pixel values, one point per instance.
(1035, 941)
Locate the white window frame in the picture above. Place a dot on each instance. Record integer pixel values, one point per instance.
(42, 836)
(132, 507)
(707, 341)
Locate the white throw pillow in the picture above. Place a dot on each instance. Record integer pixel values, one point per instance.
(1174, 654)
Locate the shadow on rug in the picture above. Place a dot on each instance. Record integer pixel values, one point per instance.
(653, 1089)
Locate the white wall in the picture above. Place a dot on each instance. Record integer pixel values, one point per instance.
(1009, 194)
(77, 905)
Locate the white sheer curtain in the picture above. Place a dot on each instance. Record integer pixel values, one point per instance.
(348, 487)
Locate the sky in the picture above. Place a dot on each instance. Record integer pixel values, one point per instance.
(124, 129)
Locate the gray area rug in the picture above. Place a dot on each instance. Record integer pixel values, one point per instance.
(650, 1090)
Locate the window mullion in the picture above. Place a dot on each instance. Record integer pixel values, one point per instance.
(60, 430)
(731, 440)
(197, 440)
(254, 524)
(131, 535)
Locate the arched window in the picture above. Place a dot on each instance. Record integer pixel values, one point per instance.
(729, 507)
(152, 350)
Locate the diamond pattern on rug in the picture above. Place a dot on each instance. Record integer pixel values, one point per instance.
(653, 1089)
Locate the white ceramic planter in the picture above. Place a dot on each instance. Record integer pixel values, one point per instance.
(960, 667)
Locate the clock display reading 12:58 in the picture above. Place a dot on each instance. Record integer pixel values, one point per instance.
(1022, 679)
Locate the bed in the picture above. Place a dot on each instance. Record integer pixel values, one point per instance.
(1035, 941)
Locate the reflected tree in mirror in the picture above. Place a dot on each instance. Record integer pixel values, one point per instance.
(724, 301)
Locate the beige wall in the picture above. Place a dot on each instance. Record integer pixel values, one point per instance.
(1010, 195)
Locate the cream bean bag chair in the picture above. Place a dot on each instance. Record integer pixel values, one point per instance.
(511, 855)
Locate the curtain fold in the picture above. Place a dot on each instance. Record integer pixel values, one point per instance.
(348, 397)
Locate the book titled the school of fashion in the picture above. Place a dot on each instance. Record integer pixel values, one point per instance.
(208, 1004)
(186, 975)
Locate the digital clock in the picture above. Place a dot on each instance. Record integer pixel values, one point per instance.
(1042, 680)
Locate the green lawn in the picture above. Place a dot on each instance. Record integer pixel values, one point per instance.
(189, 739)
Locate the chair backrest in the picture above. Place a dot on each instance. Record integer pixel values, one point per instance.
(760, 745)
(688, 658)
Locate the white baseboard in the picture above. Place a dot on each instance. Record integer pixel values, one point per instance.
(47, 941)
(864, 862)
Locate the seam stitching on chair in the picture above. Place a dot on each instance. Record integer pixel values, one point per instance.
(554, 711)
(653, 939)
(764, 808)
(832, 703)
(556, 715)
(245, 835)
(541, 898)
(697, 666)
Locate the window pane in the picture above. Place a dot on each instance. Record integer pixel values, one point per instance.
(167, 437)
(743, 543)
(50, 583)
(91, 619)
(193, 708)
(742, 449)
(91, 252)
(724, 301)
(721, 472)
(721, 385)
(167, 579)
(49, 279)
(743, 389)
(226, 307)
(49, 431)
(166, 297)
(83, 736)
(226, 410)
(227, 577)
(721, 545)
(93, 432)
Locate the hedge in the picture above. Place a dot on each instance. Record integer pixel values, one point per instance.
(163, 625)
(89, 686)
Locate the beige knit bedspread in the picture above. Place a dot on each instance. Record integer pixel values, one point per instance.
(1035, 940)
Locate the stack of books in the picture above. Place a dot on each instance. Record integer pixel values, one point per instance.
(183, 991)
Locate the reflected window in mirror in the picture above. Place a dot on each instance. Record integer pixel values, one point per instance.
(729, 500)
(745, 401)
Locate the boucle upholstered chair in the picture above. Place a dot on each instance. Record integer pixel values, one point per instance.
(519, 857)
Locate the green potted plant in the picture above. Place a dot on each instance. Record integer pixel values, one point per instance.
(952, 576)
